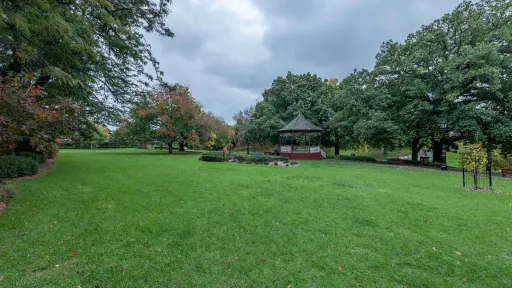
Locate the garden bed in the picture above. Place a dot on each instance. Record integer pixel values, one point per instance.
(256, 158)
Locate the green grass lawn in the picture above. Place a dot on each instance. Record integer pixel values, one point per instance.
(147, 219)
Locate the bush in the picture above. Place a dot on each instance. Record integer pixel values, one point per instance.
(15, 166)
(353, 158)
(251, 158)
(213, 158)
(38, 157)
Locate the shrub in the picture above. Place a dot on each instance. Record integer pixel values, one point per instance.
(38, 157)
(251, 158)
(213, 158)
(15, 166)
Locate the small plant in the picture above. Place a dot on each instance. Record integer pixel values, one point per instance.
(475, 159)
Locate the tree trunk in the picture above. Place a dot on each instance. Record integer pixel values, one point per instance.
(415, 149)
(248, 148)
(337, 148)
(170, 148)
(489, 159)
(437, 151)
(385, 151)
(182, 146)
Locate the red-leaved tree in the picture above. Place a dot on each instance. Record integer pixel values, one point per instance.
(178, 114)
(27, 114)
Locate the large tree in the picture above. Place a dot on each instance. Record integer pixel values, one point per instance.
(284, 100)
(177, 114)
(92, 51)
(360, 113)
(242, 125)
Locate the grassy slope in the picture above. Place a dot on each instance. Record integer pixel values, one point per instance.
(162, 221)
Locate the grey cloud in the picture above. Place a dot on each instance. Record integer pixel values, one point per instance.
(228, 52)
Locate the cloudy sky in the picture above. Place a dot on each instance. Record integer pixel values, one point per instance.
(228, 51)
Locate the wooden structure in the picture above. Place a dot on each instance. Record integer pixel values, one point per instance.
(295, 150)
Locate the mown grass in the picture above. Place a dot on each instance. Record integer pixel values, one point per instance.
(155, 220)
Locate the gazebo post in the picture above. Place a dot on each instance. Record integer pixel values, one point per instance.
(305, 141)
(292, 143)
(280, 144)
(309, 143)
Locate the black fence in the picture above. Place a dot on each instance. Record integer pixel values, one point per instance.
(476, 180)
(474, 176)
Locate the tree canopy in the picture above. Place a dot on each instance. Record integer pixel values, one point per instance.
(457, 68)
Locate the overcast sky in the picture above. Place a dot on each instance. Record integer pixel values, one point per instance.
(229, 51)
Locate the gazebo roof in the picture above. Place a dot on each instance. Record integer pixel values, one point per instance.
(300, 124)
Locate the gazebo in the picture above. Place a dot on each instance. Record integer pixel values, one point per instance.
(295, 140)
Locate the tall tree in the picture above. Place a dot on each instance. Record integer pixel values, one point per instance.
(242, 122)
(284, 100)
(93, 51)
(360, 113)
(178, 115)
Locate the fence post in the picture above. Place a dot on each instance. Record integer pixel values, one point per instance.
(490, 178)
(463, 176)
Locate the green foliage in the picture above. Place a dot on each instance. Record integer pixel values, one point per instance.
(288, 97)
(353, 158)
(458, 68)
(83, 49)
(475, 158)
(500, 161)
(38, 157)
(16, 166)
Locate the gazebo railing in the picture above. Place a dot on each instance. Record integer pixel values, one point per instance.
(314, 149)
(300, 149)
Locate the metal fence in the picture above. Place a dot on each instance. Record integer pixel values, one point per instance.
(475, 177)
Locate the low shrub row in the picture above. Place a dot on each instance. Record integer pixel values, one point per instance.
(38, 157)
(17, 166)
(213, 158)
(254, 158)
(353, 158)
(251, 158)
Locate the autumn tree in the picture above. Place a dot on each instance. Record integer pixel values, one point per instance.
(27, 115)
(171, 115)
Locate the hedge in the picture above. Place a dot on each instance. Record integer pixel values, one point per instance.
(353, 158)
(259, 158)
(252, 158)
(213, 158)
(38, 157)
(16, 166)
